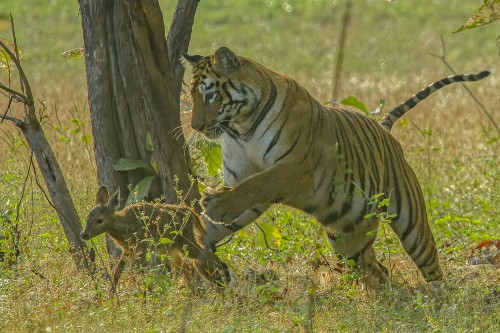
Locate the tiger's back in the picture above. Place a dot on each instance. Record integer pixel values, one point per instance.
(281, 145)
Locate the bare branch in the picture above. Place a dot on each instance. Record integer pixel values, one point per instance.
(7, 109)
(29, 95)
(180, 30)
(445, 62)
(19, 97)
(16, 49)
(106, 271)
(6, 137)
(16, 121)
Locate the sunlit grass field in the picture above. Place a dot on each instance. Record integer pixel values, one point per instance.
(448, 140)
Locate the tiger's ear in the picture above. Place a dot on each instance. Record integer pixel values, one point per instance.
(226, 59)
(193, 60)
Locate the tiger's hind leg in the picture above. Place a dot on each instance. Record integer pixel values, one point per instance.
(357, 245)
(418, 242)
(409, 222)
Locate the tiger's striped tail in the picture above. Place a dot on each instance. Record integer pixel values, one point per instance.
(396, 113)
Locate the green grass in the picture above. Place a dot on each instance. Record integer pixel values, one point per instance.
(448, 141)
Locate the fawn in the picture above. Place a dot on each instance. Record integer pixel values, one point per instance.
(158, 231)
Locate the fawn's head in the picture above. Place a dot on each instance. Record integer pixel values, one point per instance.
(102, 215)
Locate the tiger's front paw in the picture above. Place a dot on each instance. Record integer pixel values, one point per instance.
(221, 206)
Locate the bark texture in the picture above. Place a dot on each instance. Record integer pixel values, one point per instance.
(134, 79)
(58, 190)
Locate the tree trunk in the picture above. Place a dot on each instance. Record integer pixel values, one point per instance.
(48, 164)
(117, 125)
(57, 188)
(134, 80)
(159, 78)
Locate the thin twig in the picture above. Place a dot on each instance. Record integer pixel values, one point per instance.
(17, 122)
(340, 55)
(14, 230)
(332, 270)
(9, 143)
(7, 109)
(25, 182)
(29, 96)
(28, 234)
(37, 273)
(18, 208)
(91, 160)
(19, 97)
(108, 274)
(16, 49)
(445, 62)
(13, 30)
(226, 242)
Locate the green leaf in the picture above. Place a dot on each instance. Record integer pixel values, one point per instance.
(350, 262)
(353, 101)
(212, 154)
(245, 234)
(74, 53)
(403, 122)
(5, 60)
(487, 13)
(427, 131)
(493, 139)
(125, 164)
(195, 166)
(86, 138)
(202, 188)
(140, 191)
(149, 142)
(154, 166)
(165, 241)
(272, 234)
(45, 235)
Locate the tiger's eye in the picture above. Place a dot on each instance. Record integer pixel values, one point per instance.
(209, 97)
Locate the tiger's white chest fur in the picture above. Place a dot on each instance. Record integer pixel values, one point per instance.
(242, 159)
(250, 156)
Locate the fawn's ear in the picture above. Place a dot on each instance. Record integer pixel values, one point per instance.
(114, 201)
(102, 196)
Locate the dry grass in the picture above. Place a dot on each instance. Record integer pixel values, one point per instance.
(71, 302)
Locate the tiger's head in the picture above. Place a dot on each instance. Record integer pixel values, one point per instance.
(223, 98)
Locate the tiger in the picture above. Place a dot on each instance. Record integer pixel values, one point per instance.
(280, 145)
